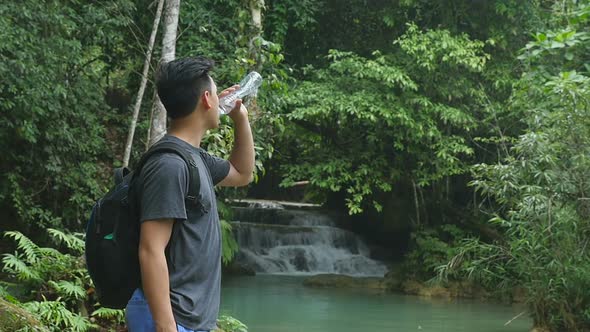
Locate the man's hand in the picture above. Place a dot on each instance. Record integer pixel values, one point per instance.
(239, 112)
(228, 90)
(242, 155)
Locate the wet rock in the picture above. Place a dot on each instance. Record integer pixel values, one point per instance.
(238, 269)
(299, 261)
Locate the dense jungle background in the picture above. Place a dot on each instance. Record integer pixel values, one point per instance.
(455, 135)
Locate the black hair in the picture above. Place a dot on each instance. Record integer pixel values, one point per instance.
(181, 82)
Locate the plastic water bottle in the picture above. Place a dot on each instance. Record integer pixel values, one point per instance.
(248, 87)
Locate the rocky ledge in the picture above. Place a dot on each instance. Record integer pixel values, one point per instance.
(343, 281)
(396, 284)
(269, 204)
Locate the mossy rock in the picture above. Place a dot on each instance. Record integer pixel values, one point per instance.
(451, 290)
(394, 279)
(15, 318)
(343, 281)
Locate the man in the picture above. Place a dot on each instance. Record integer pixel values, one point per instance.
(180, 246)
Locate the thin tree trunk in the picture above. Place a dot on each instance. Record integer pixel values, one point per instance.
(256, 7)
(147, 142)
(424, 207)
(146, 67)
(416, 203)
(158, 125)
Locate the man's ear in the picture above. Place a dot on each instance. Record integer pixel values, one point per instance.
(206, 99)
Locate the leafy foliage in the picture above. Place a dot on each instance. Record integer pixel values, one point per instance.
(68, 289)
(116, 315)
(229, 245)
(51, 100)
(61, 284)
(355, 100)
(541, 185)
(55, 314)
(230, 324)
(59, 279)
(432, 248)
(391, 122)
(35, 266)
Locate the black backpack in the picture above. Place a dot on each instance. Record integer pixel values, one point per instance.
(112, 233)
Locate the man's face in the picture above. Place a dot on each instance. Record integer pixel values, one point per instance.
(215, 104)
(213, 115)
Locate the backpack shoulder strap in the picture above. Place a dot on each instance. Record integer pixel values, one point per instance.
(171, 147)
(120, 173)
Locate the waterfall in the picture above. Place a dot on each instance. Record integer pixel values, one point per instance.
(279, 239)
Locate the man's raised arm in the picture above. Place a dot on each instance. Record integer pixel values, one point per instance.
(242, 156)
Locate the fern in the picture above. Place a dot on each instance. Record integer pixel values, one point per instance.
(14, 265)
(50, 272)
(50, 252)
(32, 329)
(68, 289)
(25, 245)
(3, 292)
(35, 264)
(72, 241)
(55, 315)
(110, 314)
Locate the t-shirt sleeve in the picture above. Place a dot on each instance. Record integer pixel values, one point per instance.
(164, 180)
(218, 167)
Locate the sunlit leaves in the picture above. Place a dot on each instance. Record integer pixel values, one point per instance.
(347, 63)
(434, 48)
(368, 121)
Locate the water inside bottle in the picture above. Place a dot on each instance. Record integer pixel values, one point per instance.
(248, 87)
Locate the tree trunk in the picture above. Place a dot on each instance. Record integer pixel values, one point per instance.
(158, 125)
(256, 7)
(416, 204)
(146, 67)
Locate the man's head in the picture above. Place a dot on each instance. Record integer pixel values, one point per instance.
(184, 85)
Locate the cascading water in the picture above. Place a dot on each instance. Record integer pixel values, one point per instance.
(278, 240)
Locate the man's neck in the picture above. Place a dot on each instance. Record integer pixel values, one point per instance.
(187, 132)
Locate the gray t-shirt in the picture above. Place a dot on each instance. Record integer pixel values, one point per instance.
(194, 251)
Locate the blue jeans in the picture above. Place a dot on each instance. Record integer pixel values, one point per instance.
(139, 318)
